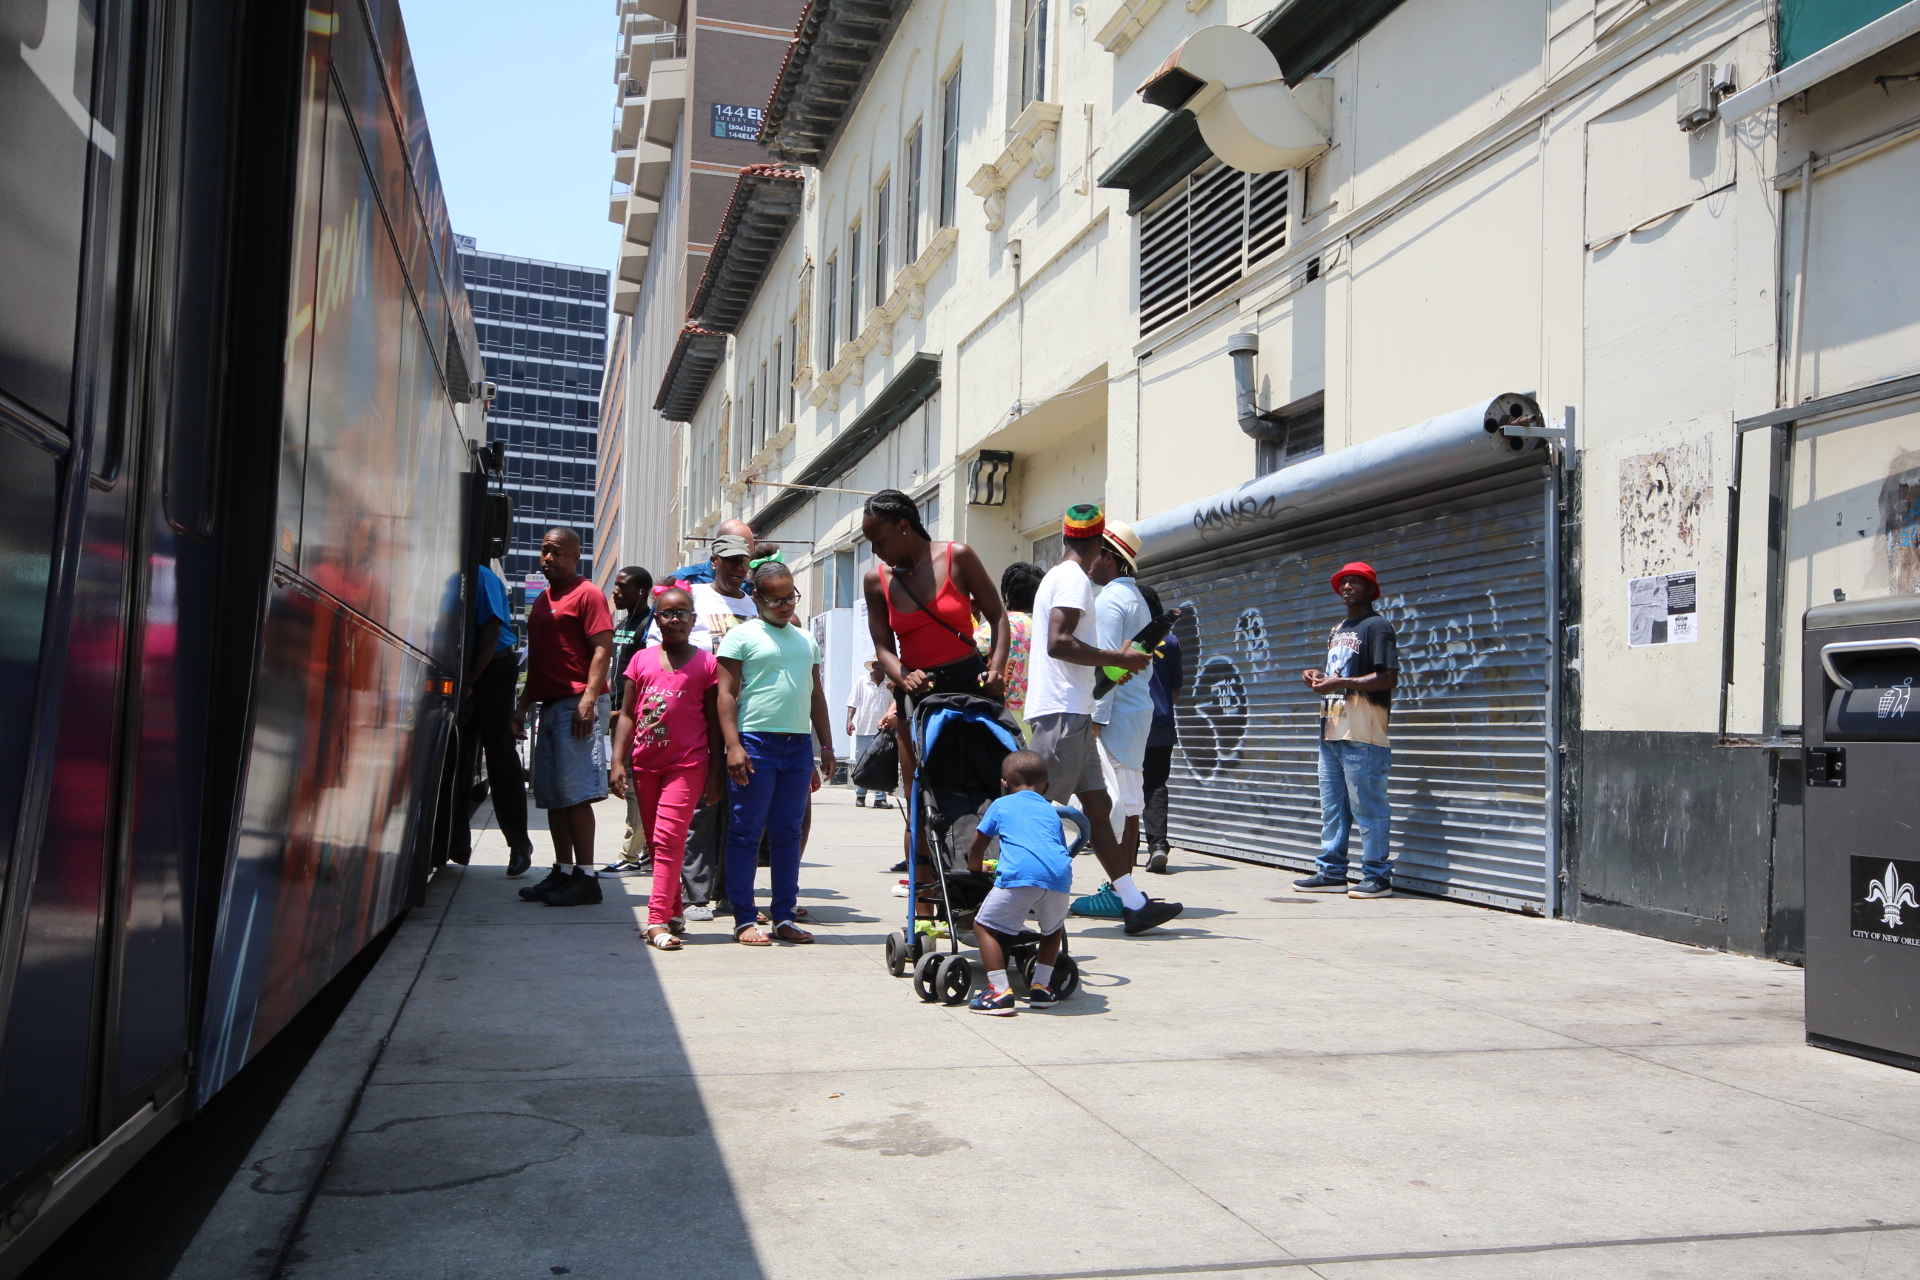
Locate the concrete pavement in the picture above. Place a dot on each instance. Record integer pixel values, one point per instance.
(1281, 1084)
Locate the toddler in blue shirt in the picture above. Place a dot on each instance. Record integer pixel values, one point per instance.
(1035, 877)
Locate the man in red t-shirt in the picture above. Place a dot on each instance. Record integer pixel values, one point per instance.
(569, 647)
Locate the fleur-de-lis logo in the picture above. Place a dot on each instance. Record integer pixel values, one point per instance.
(1891, 895)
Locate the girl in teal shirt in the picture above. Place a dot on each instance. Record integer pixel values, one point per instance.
(770, 700)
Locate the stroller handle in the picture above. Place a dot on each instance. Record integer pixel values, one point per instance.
(1082, 827)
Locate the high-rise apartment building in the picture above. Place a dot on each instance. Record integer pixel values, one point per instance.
(691, 81)
(543, 335)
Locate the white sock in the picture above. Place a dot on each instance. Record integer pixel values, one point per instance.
(1130, 896)
(997, 979)
(1043, 975)
(583, 868)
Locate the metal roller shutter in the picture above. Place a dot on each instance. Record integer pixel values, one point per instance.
(1465, 584)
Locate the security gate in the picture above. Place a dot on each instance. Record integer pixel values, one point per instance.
(1465, 581)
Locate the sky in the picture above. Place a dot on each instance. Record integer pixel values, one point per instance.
(519, 99)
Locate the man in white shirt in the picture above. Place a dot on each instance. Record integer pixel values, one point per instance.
(867, 705)
(1060, 707)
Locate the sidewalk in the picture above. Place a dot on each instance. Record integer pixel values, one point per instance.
(1279, 1085)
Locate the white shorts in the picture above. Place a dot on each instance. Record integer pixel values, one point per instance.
(1128, 787)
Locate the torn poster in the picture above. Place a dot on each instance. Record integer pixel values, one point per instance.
(1662, 610)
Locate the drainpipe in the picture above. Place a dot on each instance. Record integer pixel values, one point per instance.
(1243, 347)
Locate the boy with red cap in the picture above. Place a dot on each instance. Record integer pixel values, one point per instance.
(1356, 696)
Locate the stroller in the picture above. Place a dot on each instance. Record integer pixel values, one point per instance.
(960, 741)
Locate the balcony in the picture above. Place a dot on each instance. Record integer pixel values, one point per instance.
(642, 215)
(666, 101)
(633, 263)
(617, 203)
(650, 165)
(633, 106)
(626, 297)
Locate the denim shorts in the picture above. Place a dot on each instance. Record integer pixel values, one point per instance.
(569, 770)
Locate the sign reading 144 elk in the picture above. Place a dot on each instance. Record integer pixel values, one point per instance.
(742, 124)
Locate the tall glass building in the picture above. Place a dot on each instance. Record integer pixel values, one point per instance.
(543, 333)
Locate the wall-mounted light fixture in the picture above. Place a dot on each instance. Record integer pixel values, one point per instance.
(987, 477)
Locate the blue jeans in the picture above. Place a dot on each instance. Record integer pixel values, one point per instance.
(1353, 788)
(775, 801)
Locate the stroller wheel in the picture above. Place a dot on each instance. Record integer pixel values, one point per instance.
(896, 953)
(924, 976)
(1066, 977)
(955, 980)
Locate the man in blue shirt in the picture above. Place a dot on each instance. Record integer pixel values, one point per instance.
(493, 679)
(1125, 715)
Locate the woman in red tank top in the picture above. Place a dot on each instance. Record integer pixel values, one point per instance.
(926, 594)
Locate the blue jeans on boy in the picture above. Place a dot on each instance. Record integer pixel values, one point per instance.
(1353, 788)
(775, 801)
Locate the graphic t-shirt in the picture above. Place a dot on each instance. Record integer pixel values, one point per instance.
(714, 615)
(669, 717)
(1033, 850)
(559, 627)
(1356, 649)
(629, 634)
(1055, 687)
(1019, 641)
(776, 676)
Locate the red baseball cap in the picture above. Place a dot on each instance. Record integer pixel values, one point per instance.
(1356, 570)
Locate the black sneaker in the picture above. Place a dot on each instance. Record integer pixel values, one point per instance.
(579, 890)
(518, 860)
(1157, 862)
(898, 869)
(538, 892)
(1372, 889)
(1039, 999)
(1154, 914)
(859, 802)
(995, 1004)
(1317, 883)
(881, 802)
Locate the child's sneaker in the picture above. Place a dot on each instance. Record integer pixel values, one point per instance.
(1104, 904)
(1039, 999)
(901, 891)
(996, 1004)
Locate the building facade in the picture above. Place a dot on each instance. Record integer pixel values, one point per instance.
(543, 335)
(1507, 327)
(691, 79)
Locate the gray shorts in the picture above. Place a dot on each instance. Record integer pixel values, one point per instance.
(569, 770)
(1006, 910)
(1066, 743)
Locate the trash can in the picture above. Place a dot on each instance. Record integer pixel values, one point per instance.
(1862, 757)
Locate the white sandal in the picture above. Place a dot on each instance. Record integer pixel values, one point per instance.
(660, 937)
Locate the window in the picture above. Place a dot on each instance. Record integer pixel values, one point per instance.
(1216, 226)
(829, 313)
(853, 282)
(882, 221)
(949, 148)
(782, 380)
(1033, 53)
(930, 512)
(910, 225)
(793, 373)
(1302, 431)
(844, 586)
(760, 431)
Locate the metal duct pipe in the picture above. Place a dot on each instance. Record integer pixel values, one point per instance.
(1427, 455)
(1243, 347)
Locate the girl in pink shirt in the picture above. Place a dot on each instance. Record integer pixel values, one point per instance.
(665, 749)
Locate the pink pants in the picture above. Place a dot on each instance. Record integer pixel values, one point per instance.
(667, 801)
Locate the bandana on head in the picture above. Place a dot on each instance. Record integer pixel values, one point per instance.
(1084, 520)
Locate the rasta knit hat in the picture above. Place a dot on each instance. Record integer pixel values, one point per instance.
(1356, 570)
(1084, 521)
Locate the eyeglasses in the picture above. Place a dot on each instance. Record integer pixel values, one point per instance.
(781, 600)
(673, 615)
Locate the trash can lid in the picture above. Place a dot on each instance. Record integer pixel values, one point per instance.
(1857, 613)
